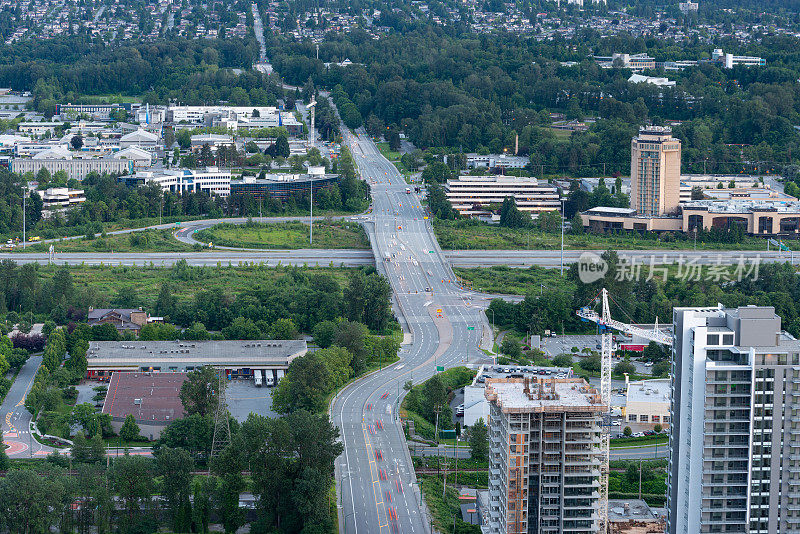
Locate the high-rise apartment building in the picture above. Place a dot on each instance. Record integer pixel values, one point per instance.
(655, 171)
(734, 462)
(544, 467)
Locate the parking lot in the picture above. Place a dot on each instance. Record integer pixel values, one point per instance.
(244, 397)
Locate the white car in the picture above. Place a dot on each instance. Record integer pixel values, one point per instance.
(616, 423)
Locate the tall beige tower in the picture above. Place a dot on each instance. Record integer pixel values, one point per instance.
(655, 171)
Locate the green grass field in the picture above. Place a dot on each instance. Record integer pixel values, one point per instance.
(290, 235)
(146, 281)
(512, 281)
(464, 235)
(144, 241)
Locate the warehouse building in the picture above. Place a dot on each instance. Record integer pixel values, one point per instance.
(239, 359)
(152, 398)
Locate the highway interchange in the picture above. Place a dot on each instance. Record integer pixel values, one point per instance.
(376, 485)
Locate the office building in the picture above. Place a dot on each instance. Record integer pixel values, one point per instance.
(728, 61)
(238, 359)
(472, 195)
(211, 180)
(734, 462)
(496, 161)
(688, 7)
(544, 466)
(75, 164)
(61, 198)
(282, 186)
(655, 171)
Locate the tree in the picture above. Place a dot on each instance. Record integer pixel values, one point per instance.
(562, 360)
(199, 391)
(282, 146)
(697, 193)
(661, 368)
(132, 479)
(305, 386)
(324, 333)
(479, 441)
(654, 352)
(436, 173)
(175, 466)
(30, 501)
(228, 466)
(591, 364)
(657, 428)
(511, 348)
(130, 430)
(623, 368)
(510, 216)
(627, 432)
(550, 221)
(76, 142)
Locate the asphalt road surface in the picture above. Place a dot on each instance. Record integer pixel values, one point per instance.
(352, 258)
(15, 420)
(377, 486)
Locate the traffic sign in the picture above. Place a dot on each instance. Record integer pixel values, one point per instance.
(470, 328)
(439, 368)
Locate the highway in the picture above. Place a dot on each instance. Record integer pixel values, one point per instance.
(377, 486)
(355, 258)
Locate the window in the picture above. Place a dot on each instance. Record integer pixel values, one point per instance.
(712, 339)
(631, 418)
(727, 339)
(656, 419)
(643, 418)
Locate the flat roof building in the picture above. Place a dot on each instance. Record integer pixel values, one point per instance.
(471, 195)
(211, 180)
(544, 466)
(647, 402)
(282, 186)
(152, 398)
(237, 358)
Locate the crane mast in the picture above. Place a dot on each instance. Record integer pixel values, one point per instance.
(605, 325)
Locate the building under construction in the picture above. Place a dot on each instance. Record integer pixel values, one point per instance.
(544, 472)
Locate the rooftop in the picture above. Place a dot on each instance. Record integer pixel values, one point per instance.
(148, 396)
(649, 391)
(217, 353)
(543, 395)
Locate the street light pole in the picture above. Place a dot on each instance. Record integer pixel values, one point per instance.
(562, 237)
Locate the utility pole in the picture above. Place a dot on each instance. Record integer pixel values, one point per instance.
(222, 426)
(24, 214)
(562, 236)
(311, 106)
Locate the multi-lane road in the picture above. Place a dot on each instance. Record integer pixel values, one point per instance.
(377, 487)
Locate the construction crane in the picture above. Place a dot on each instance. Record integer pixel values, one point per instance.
(605, 324)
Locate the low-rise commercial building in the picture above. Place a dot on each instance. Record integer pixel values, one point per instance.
(471, 195)
(647, 402)
(76, 165)
(282, 186)
(496, 161)
(141, 139)
(238, 359)
(62, 198)
(152, 398)
(728, 61)
(213, 141)
(211, 180)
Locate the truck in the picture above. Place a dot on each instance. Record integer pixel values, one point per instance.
(257, 377)
(270, 381)
(408, 190)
